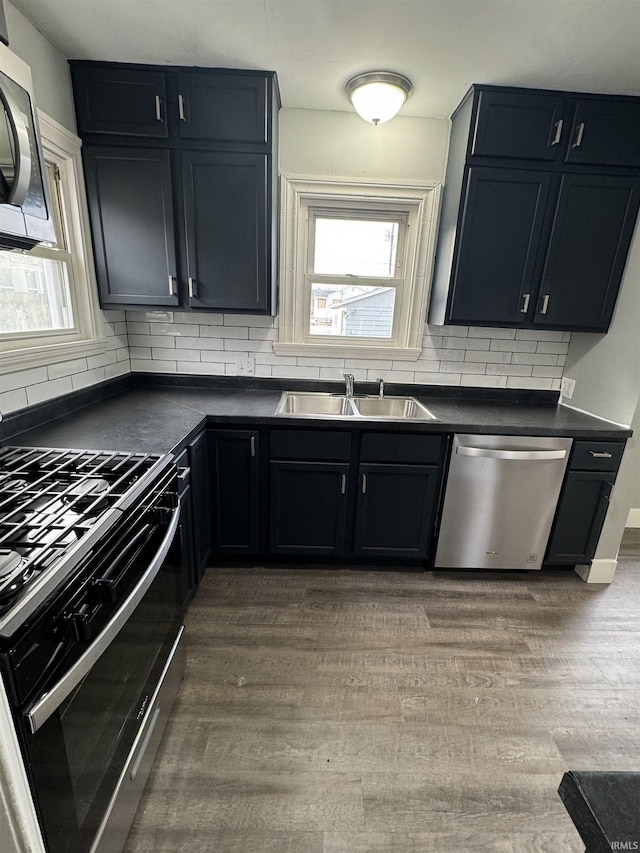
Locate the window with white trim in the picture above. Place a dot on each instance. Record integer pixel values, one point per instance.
(356, 262)
(48, 305)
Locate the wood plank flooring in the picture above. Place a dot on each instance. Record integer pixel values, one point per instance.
(339, 711)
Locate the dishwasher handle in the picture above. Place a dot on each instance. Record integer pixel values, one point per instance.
(520, 455)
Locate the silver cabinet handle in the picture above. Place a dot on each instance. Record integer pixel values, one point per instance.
(193, 287)
(158, 108)
(527, 299)
(524, 455)
(545, 304)
(600, 454)
(172, 285)
(253, 445)
(579, 134)
(364, 484)
(556, 138)
(343, 484)
(44, 707)
(181, 108)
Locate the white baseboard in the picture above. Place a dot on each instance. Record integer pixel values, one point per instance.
(600, 571)
(634, 518)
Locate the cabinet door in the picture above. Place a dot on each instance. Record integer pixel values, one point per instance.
(308, 507)
(500, 229)
(592, 229)
(605, 133)
(394, 513)
(234, 501)
(131, 209)
(199, 464)
(120, 101)
(226, 220)
(222, 107)
(579, 518)
(518, 126)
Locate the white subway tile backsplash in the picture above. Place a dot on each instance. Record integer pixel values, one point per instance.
(534, 383)
(513, 346)
(534, 358)
(291, 372)
(462, 367)
(170, 354)
(89, 377)
(48, 390)
(490, 357)
(233, 332)
(481, 381)
(500, 334)
(233, 345)
(263, 334)
(466, 343)
(538, 335)
(199, 343)
(557, 347)
(255, 320)
(509, 369)
(66, 368)
(101, 360)
(23, 378)
(150, 366)
(136, 328)
(11, 401)
(553, 372)
(151, 341)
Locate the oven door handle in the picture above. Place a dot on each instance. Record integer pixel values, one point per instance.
(47, 704)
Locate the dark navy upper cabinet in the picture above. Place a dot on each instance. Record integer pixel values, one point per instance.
(593, 225)
(181, 180)
(540, 203)
(518, 126)
(503, 212)
(605, 132)
(119, 101)
(225, 108)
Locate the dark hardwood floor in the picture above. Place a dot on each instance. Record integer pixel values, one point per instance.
(338, 711)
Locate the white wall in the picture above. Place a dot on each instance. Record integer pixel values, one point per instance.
(607, 373)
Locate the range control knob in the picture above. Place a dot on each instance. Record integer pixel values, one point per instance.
(78, 627)
(104, 590)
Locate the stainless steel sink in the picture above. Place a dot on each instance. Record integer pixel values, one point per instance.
(394, 409)
(307, 404)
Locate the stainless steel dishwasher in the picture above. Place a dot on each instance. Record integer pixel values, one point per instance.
(500, 499)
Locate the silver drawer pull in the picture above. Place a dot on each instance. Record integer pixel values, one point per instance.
(525, 307)
(600, 454)
(192, 288)
(545, 304)
(158, 108)
(172, 285)
(181, 108)
(252, 444)
(343, 484)
(364, 484)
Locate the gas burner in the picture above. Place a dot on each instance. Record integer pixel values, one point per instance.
(9, 562)
(90, 490)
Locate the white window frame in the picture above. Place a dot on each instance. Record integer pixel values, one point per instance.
(304, 197)
(19, 350)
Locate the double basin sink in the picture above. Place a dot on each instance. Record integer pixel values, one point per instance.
(307, 404)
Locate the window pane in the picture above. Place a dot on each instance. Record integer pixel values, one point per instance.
(34, 294)
(351, 310)
(355, 247)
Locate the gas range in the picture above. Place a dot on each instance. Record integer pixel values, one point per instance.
(55, 504)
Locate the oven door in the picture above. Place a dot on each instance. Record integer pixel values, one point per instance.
(81, 733)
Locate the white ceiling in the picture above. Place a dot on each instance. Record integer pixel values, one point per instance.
(316, 45)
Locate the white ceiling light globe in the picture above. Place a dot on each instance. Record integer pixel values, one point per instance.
(377, 96)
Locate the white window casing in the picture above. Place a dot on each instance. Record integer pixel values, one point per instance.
(414, 207)
(23, 350)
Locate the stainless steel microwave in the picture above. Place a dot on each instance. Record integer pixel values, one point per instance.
(25, 209)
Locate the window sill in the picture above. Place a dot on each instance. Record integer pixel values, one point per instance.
(21, 359)
(325, 350)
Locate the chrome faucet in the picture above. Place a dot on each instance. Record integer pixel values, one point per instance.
(349, 379)
(380, 387)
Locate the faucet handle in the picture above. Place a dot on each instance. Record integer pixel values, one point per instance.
(380, 381)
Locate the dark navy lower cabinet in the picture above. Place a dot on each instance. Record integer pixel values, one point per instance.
(394, 511)
(308, 507)
(200, 481)
(235, 491)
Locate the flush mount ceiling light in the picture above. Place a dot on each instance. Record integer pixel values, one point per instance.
(378, 95)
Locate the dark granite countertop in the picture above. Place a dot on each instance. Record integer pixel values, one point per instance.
(605, 808)
(160, 419)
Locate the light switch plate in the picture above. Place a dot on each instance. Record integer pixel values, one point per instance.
(567, 387)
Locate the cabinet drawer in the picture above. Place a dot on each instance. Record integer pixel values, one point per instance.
(596, 455)
(402, 448)
(313, 445)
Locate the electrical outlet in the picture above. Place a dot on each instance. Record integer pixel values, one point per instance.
(246, 367)
(567, 387)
